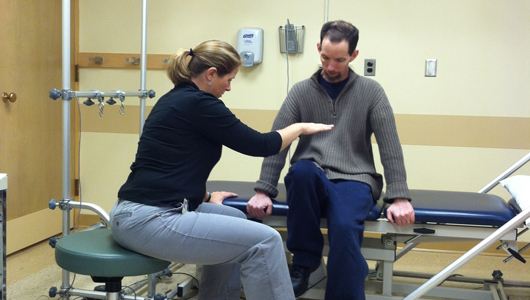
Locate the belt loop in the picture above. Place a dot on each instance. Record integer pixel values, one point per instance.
(185, 206)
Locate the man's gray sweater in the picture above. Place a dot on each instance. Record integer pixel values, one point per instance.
(345, 152)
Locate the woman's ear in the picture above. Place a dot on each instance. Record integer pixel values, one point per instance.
(210, 73)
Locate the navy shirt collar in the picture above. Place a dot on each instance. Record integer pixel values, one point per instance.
(333, 89)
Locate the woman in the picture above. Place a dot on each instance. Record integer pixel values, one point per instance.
(164, 210)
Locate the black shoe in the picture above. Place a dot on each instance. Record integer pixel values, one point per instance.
(300, 278)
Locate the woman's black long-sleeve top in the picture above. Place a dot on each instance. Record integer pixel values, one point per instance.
(181, 143)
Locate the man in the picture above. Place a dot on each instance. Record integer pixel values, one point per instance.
(333, 173)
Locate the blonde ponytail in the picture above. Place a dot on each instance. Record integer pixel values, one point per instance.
(177, 69)
(187, 64)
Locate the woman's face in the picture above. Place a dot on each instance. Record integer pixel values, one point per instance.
(221, 84)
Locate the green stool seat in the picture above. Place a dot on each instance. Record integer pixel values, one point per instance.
(96, 253)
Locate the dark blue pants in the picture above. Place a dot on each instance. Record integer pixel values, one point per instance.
(346, 205)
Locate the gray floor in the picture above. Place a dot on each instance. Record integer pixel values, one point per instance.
(31, 272)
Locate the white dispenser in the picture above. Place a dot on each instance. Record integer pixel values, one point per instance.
(250, 46)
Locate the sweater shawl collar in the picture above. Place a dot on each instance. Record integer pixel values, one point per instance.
(352, 76)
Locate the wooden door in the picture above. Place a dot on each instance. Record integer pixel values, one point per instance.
(31, 127)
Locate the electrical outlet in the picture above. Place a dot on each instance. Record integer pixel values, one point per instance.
(369, 67)
(431, 67)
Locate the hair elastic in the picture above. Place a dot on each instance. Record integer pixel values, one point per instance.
(191, 52)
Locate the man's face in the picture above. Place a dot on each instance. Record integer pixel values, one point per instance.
(335, 60)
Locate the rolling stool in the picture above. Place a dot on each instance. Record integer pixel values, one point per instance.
(96, 253)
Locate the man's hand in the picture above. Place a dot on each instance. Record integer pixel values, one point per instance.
(260, 206)
(400, 212)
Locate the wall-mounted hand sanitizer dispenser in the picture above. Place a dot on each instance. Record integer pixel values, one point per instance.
(250, 46)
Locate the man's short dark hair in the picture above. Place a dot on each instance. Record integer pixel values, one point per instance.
(336, 31)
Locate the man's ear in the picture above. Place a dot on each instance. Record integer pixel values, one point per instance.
(354, 55)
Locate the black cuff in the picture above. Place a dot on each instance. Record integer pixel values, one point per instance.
(390, 201)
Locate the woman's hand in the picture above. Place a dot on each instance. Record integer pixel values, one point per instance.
(312, 128)
(292, 132)
(219, 197)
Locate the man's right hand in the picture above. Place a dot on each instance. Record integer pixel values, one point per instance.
(260, 206)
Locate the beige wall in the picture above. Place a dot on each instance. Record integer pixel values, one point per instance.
(483, 76)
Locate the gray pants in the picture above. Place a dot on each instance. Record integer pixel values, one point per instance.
(231, 249)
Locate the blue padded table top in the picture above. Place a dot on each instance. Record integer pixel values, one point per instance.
(460, 208)
(441, 207)
(245, 191)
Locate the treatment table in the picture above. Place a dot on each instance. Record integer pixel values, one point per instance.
(441, 216)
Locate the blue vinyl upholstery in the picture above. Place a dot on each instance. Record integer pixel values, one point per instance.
(245, 191)
(440, 207)
(460, 208)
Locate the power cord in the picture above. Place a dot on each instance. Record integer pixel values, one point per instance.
(80, 198)
(195, 279)
(287, 58)
(133, 291)
(78, 167)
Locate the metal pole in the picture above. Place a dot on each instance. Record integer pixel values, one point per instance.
(151, 285)
(3, 199)
(505, 174)
(66, 44)
(326, 11)
(66, 100)
(143, 62)
(96, 93)
(66, 125)
(464, 259)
